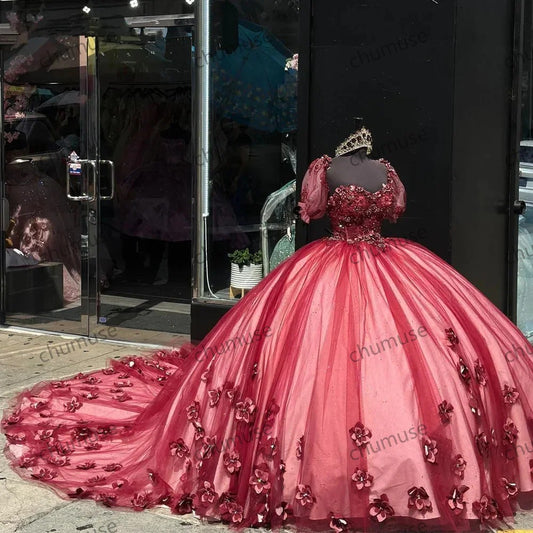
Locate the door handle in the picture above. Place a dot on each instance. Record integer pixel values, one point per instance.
(112, 175)
(519, 207)
(71, 171)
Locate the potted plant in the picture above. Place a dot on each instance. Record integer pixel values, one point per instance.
(246, 268)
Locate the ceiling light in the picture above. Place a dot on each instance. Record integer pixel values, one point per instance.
(190, 2)
(86, 9)
(134, 3)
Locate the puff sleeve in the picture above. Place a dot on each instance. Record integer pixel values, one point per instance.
(314, 197)
(398, 206)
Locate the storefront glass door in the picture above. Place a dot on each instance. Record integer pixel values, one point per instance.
(97, 172)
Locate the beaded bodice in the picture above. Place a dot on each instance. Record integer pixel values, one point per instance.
(356, 214)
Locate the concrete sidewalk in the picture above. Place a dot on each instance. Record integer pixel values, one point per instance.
(27, 358)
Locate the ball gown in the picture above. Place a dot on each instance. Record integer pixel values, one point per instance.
(363, 384)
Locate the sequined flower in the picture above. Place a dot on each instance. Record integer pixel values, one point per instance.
(510, 394)
(44, 474)
(480, 373)
(185, 503)
(214, 397)
(380, 509)
(230, 509)
(338, 524)
(362, 479)
(482, 443)
(459, 466)
(232, 461)
(300, 447)
(360, 434)
(73, 405)
(193, 411)
(141, 501)
(430, 450)
(464, 371)
(419, 498)
(44, 434)
(455, 499)
(179, 448)
(510, 488)
(92, 445)
(510, 432)
(58, 460)
(207, 493)
(112, 467)
(452, 337)
(486, 508)
(445, 411)
(304, 495)
(235, 513)
(260, 479)
(209, 444)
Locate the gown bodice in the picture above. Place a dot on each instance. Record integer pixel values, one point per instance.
(356, 214)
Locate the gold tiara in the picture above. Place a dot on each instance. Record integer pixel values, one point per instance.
(359, 139)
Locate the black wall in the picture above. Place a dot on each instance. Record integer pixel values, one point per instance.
(433, 81)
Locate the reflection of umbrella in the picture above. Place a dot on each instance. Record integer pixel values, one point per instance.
(251, 84)
(64, 98)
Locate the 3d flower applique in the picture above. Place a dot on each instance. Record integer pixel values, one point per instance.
(473, 404)
(141, 500)
(419, 499)
(58, 460)
(360, 434)
(232, 461)
(259, 480)
(380, 508)
(455, 499)
(27, 460)
(206, 375)
(207, 493)
(214, 397)
(362, 479)
(430, 450)
(184, 503)
(73, 405)
(270, 413)
(109, 500)
(255, 370)
(300, 447)
(283, 510)
(510, 488)
(452, 337)
(112, 467)
(244, 410)
(305, 495)
(179, 448)
(152, 476)
(87, 465)
(44, 474)
(445, 411)
(193, 411)
(229, 509)
(486, 508)
(270, 449)
(510, 395)
(464, 371)
(80, 493)
(338, 524)
(15, 438)
(199, 431)
(208, 446)
(108, 371)
(459, 466)
(480, 373)
(510, 432)
(482, 443)
(13, 418)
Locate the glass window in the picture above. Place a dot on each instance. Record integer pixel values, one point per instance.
(250, 189)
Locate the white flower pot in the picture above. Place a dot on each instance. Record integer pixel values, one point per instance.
(246, 277)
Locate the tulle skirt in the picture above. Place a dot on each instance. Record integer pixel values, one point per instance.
(354, 387)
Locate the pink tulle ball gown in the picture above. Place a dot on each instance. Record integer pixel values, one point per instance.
(364, 384)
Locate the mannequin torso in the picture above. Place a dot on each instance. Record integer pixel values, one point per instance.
(355, 168)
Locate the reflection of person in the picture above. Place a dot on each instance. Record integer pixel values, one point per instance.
(45, 227)
(362, 381)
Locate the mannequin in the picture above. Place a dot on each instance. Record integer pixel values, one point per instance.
(356, 168)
